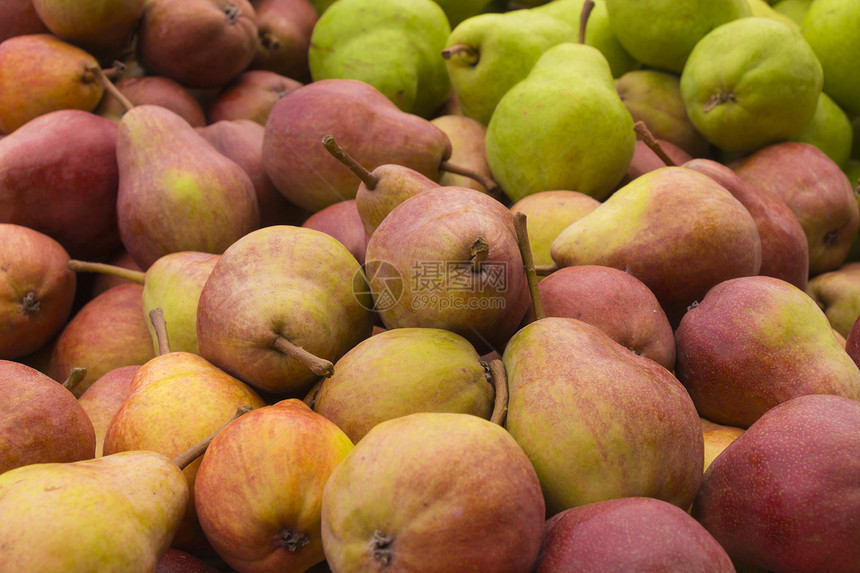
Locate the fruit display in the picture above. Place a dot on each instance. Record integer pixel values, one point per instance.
(429, 286)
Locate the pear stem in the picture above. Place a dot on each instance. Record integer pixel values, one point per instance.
(89, 267)
(646, 136)
(528, 262)
(317, 365)
(478, 253)
(587, 7)
(369, 179)
(545, 270)
(499, 378)
(115, 71)
(466, 52)
(110, 87)
(489, 184)
(185, 458)
(156, 317)
(76, 374)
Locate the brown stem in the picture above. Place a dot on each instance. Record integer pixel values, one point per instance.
(317, 365)
(648, 138)
(76, 374)
(110, 87)
(369, 179)
(489, 184)
(544, 270)
(528, 262)
(156, 317)
(311, 397)
(115, 70)
(499, 379)
(587, 7)
(198, 449)
(466, 52)
(478, 253)
(89, 267)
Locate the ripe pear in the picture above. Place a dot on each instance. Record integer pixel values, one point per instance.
(597, 421)
(18, 17)
(413, 76)
(466, 496)
(165, 166)
(104, 397)
(41, 73)
(717, 438)
(468, 149)
(542, 132)
(40, 420)
(37, 290)
(102, 27)
(158, 90)
(284, 28)
(837, 293)
(829, 28)
(679, 253)
(751, 82)
(402, 371)
(280, 306)
(341, 221)
(754, 342)
(259, 488)
(250, 95)
(129, 504)
(661, 34)
(487, 54)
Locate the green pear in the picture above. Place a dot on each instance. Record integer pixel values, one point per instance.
(761, 9)
(176, 191)
(124, 510)
(754, 342)
(597, 421)
(401, 371)
(103, 27)
(598, 31)
(672, 250)
(392, 45)
(830, 130)
(486, 55)
(837, 293)
(751, 82)
(662, 33)
(830, 28)
(654, 97)
(794, 9)
(459, 10)
(542, 134)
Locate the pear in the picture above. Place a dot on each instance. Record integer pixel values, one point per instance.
(130, 503)
(794, 9)
(598, 31)
(363, 120)
(342, 221)
(102, 27)
(468, 149)
(466, 496)
(284, 28)
(36, 289)
(763, 9)
(41, 73)
(250, 95)
(838, 295)
(413, 76)
(280, 306)
(402, 371)
(654, 97)
(829, 28)
(173, 283)
(158, 90)
(661, 34)
(679, 257)
(18, 17)
(751, 82)
(380, 190)
(754, 342)
(165, 166)
(717, 438)
(104, 397)
(830, 131)
(487, 54)
(542, 132)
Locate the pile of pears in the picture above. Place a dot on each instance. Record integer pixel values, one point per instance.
(429, 285)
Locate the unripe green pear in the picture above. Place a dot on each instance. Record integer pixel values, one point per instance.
(544, 133)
